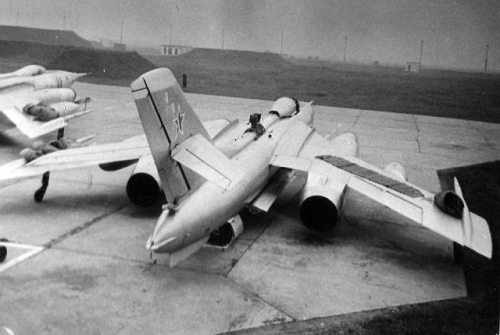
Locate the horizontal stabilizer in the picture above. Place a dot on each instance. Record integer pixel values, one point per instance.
(202, 157)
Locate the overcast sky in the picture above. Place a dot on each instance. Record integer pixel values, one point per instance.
(455, 32)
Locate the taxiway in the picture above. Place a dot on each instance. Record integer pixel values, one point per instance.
(88, 271)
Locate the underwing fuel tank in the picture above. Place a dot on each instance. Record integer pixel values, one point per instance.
(52, 95)
(27, 71)
(55, 79)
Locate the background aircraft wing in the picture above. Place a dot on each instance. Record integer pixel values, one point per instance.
(13, 110)
(34, 129)
(128, 150)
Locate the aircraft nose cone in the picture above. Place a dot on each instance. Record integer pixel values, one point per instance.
(162, 235)
(150, 243)
(159, 244)
(79, 75)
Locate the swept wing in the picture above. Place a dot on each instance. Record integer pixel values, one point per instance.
(326, 163)
(128, 150)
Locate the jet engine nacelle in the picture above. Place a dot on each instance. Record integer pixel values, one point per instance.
(57, 79)
(51, 96)
(30, 70)
(321, 204)
(144, 186)
(227, 233)
(27, 71)
(450, 203)
(397, 171)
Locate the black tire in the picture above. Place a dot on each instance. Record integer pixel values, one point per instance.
(3, 253)
(39, 194)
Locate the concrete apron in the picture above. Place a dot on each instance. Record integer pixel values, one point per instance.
(95, 275)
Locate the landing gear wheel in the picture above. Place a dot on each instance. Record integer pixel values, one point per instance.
(458, 253)
(3, 253)
(39, 194)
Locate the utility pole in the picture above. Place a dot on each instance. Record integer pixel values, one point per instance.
(121, 34)
(421, 52)
(222, 39)
(17, 20)
(282, 43)
(170, 35)
(64, 22)
(345, 48)
(486, 59)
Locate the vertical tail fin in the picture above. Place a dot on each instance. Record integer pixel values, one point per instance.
(167, 119)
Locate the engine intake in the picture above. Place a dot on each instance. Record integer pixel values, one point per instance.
(321, 205)
(227, 233)
(144, 186)
(318, 213)
(142, 189)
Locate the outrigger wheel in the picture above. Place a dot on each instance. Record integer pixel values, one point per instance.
(40, 193)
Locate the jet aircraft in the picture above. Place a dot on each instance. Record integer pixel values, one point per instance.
(143, 187)
(206, 188)
(210, 171)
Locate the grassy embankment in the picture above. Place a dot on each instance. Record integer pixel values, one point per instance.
(269, 76)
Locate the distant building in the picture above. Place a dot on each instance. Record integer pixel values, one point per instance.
(174, 50)
(120, 47)
(412, 66)
(107, 43)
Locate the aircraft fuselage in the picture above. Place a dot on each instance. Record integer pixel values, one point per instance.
(210, 206)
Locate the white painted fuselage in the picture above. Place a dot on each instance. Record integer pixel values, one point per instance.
(211, 206)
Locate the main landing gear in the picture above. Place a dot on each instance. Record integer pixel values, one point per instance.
(40, 193)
